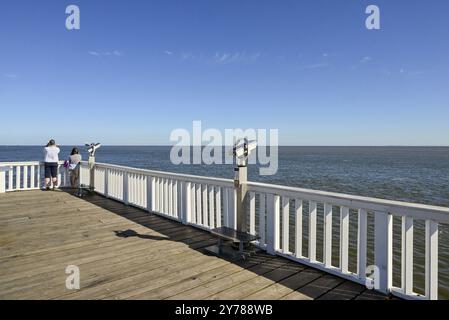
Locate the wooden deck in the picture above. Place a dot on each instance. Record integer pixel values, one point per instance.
(126, 253)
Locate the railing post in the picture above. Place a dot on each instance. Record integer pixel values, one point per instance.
(232, 214)
(252, 213)
(25, 177)
(431, 260)
(327, 235)
(344, 239)
(272, 223)
(312, 230)
(59, 179)
(39, 180)
(32, 181)
(125, 188)
(362, 236)
(407, 255)
(150, 194)
(3, 179)
(92, 178)
(18, 178)
(383, 247)
(106, 183)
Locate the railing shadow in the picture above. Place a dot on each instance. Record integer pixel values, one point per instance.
(303, 282)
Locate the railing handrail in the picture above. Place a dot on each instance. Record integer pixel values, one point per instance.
(420, 211)
(163, 174)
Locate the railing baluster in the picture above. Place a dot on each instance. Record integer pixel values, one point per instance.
(407, 255)
(218, 207)
(10, 178)
(186, 202)
(25, 177)
(252, 213)
(166, 209)
(175, 200)
(118, 185)
(262, 218)
(142, 187)
(205, 210)
(211, 207)
(132, 188)
(170, 197)
(139, 190)
(18, 178)
(344, 239)
(327, 234)
(161, 195)
(125, 188)
(273, 231)
(33, 177)
(193, 203)
(226, 218)
(2, 179)
(298, 228)
(38, 176)
(285, 224)
(156, 194)
(198, 204)
(151, 194)
(312, 231)
(431, 260)
(361, 243)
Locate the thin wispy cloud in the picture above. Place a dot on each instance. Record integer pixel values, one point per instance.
(219, 58)
(366, 59)
(236, 57)
(114, 53)
(403, 72)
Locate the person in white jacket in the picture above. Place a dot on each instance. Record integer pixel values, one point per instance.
(51, 152)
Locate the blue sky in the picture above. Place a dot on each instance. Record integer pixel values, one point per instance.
(136, 70)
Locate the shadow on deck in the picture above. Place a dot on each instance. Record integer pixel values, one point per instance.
(126, 253)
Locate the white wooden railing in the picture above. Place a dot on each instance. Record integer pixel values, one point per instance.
(278, 214)
(201, 201)
(19, 176)
(277, 204)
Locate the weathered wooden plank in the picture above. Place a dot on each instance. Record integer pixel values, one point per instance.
(285, 286)
(125, 252)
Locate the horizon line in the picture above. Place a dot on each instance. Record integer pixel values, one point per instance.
(287, 145)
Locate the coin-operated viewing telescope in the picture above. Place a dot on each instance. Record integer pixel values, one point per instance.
(91, 149)
(242, 150)
(235, 231)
